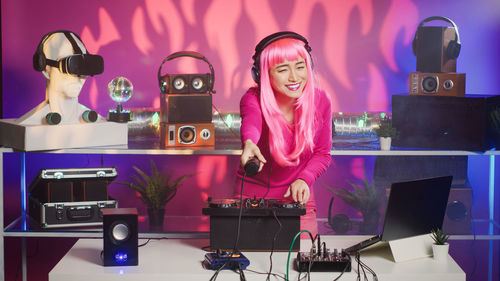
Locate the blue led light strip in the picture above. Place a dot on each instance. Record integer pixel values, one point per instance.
(23, 190)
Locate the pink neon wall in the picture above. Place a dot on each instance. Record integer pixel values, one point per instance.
(354, 43)
(362, 51)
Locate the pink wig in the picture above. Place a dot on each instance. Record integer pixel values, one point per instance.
(284, 150)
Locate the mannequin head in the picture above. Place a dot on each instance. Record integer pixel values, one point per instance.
(57, 47)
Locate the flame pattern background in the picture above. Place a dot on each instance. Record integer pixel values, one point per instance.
(361, 49)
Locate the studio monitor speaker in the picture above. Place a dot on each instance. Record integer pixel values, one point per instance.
(457, 219)
(120, 237)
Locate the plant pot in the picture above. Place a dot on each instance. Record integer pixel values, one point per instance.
(440, 252)
(156, 217)
(385, 143)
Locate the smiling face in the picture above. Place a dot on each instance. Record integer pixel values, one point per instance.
(289, 78)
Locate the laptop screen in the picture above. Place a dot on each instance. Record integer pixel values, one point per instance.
(416, 207)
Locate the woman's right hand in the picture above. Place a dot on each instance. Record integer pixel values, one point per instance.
(251, 150)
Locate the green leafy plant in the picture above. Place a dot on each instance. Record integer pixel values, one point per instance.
(385, 129)
(157, 189)
(439, 237)
(364, 197)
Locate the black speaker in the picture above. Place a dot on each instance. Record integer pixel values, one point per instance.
(439, 122)
(120, 237)
(192, 108)
(457, 219)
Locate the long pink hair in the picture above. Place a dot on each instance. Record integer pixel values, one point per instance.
(287, 151)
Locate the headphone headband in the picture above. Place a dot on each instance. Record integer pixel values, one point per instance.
(39, 58)
(195, 55)
(275, 37)
(454, 46)
(445, 19)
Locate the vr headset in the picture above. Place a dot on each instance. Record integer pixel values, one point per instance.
(78, 64)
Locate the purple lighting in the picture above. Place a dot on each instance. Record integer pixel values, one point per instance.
(121, 257)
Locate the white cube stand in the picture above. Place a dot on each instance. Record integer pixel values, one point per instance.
(49, 137)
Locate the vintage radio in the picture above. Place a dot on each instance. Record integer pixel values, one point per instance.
(192, 108)
(187, 134)
(437, 84)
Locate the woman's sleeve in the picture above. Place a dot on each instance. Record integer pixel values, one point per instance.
(321, 157)
(251, 117)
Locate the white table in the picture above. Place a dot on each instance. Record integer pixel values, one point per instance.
(180, 259)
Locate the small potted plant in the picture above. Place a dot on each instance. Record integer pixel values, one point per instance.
(385, 132)
(440, 247)
(155, 190)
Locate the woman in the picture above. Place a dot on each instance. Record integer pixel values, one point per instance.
(286, 124)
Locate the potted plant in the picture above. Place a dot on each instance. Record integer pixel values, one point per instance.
(385, 132)
(367, 199)
(155, 190)
(440, 247)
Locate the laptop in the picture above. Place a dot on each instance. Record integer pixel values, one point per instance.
(415, 207)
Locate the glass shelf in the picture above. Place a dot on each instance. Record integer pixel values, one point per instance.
(192, 227)
(342, 146)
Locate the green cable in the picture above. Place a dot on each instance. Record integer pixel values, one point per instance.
(290, 251)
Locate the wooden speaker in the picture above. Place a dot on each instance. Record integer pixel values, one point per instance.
(431, 49)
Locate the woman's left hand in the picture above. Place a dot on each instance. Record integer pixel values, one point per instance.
(299, 191)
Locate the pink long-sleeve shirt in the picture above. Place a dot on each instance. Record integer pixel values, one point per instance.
(312, 164)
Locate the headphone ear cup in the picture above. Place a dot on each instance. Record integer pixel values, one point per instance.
(39, 62)
(453, 49)
(255, 75)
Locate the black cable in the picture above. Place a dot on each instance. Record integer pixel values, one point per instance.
(242, 274)
(272, 245)
(342, 273)
(311, 261)
(216, 273)
(319, 242)
(144, 244)
(357, 261)
(239, 216)
(364, 266)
